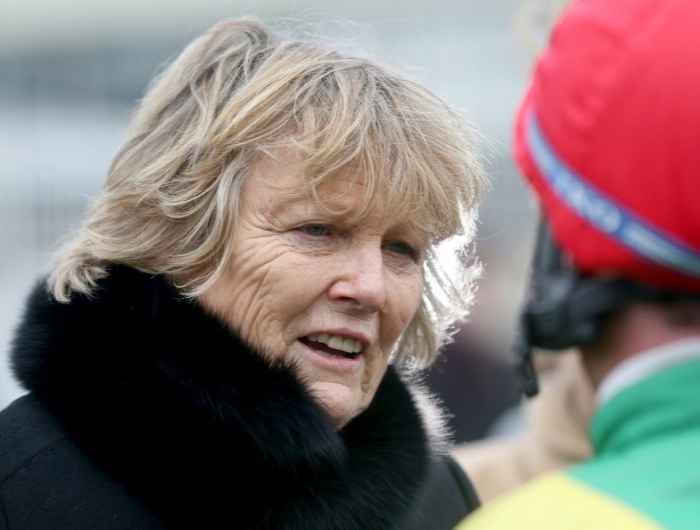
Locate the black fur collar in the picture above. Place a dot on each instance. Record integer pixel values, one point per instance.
(169, 401)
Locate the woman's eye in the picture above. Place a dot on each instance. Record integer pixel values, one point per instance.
(315, 230)
(405, 249)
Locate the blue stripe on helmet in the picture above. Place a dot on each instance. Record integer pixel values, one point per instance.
(608, 217)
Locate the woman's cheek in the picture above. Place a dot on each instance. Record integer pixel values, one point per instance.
(408, 301)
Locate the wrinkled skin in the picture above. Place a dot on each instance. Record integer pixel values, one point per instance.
(297, 270)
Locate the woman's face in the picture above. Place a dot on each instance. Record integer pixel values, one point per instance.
(316, 290)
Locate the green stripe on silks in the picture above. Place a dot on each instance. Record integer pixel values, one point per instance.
(647, 447)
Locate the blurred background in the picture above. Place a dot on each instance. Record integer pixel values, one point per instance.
(71, 71)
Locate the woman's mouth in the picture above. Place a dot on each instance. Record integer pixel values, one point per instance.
(334, 345)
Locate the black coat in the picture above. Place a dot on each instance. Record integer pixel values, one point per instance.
(145, 412)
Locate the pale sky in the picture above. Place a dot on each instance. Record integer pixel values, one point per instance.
(37, 23)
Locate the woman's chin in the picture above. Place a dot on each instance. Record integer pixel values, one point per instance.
(340, 402)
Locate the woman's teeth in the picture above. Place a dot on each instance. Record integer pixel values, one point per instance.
(338, 343)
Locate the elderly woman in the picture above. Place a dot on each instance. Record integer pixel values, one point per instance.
(224, 342)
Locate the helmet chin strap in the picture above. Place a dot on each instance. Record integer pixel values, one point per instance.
(565, 309)
(525, 369)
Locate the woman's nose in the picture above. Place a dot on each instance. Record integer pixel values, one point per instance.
(361, 278)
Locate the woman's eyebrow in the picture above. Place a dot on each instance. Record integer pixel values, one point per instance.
(287, 203)
(303, 203)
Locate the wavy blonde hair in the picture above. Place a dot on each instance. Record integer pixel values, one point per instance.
(170, 202)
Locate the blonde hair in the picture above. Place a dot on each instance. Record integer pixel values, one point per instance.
(169, 205)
